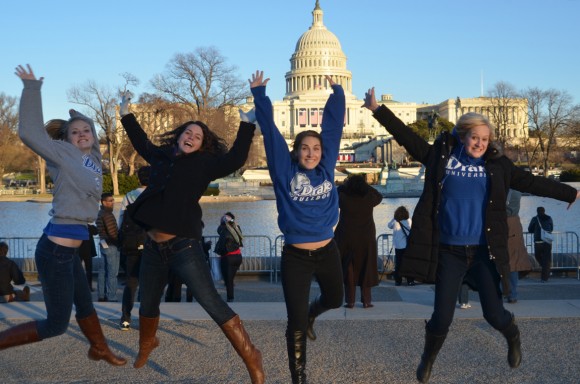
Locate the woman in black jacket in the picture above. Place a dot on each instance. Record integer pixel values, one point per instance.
(460, 222)
(188, 159)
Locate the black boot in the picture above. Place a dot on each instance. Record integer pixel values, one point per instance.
(512, 335)
(314, 311)
(433, 344)
(296, 343)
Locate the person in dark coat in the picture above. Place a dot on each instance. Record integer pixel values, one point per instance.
(186, 160)
(356, 238)
(229, 248)
(542, 249)
(518, 254)
(9, 273)
(460, 222)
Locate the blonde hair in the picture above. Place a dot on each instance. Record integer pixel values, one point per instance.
(471, 120)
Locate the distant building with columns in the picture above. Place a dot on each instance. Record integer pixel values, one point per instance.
(318, 53)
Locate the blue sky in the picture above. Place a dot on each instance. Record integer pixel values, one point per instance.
(417, 50)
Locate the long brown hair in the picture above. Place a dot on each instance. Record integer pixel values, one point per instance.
(211, 143)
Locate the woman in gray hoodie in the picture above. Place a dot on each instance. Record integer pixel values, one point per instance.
(71, 151)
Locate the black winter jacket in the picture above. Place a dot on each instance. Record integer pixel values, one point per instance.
(422, 252)
(170, 202)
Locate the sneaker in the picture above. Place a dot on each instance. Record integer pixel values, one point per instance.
(465, 306)
(125, 325)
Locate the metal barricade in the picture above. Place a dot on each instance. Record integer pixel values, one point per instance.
(256, 256)
(385, 255)
(565, 251)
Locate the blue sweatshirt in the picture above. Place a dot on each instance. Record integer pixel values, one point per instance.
(306, 200)
(463, 200)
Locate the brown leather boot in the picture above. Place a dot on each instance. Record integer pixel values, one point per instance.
(238, 337)
(91, 328)
(147, 339)
(18, 335)
(23, 295)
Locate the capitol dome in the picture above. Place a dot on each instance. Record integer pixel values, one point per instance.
(318, 53)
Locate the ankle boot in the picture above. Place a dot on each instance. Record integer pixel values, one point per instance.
(147, 339)
(433, 344)
(91, 328)
(314, 311)
(296, 343)
(240, 340)
(512, 335)
(18, 335)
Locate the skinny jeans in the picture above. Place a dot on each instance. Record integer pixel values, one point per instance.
(63, 282)
(472, 263)
(298, 267)
(185, 258)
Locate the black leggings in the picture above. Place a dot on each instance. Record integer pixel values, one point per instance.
(298, 266)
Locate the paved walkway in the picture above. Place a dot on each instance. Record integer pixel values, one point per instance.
(377, 345)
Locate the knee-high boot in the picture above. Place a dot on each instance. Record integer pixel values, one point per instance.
(240, 340)
(296, 343)
(18, 335)
(433, 344)
(314, 311)
(91, 328)
(147, 339)
(512, 335)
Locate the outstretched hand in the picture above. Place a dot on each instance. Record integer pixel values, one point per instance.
(258, 80)
(329, 79)
(26, 74)
(125, 101)
(370, 101)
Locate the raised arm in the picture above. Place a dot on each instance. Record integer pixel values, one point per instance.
(275, 145)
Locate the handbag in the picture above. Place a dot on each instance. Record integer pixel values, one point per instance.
(546, 236)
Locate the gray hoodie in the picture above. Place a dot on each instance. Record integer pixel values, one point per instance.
(77, 177)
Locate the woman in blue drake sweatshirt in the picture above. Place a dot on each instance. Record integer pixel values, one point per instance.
(460, 222)
(307, 204)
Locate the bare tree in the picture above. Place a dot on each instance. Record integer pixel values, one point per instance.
(506, 105)
(101, 101)
(14, 155)
(204, 85)
(551, 114)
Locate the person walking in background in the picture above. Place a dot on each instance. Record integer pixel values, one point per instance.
(460, 222)
(131, 240)
(73, 159)
(518, 254)
(229, 248)
(401, 226)
(10, 273)
(307, 204)
(109, 241)
(356, 238)
(187, 159)
(542, 248)
(87, 251)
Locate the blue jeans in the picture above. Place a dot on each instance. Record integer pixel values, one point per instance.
(473, 264)
(185, 258)
(514, 277)
(297, 269)
(63, 282)
(107, 281)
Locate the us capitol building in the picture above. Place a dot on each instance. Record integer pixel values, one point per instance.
(318, 53)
